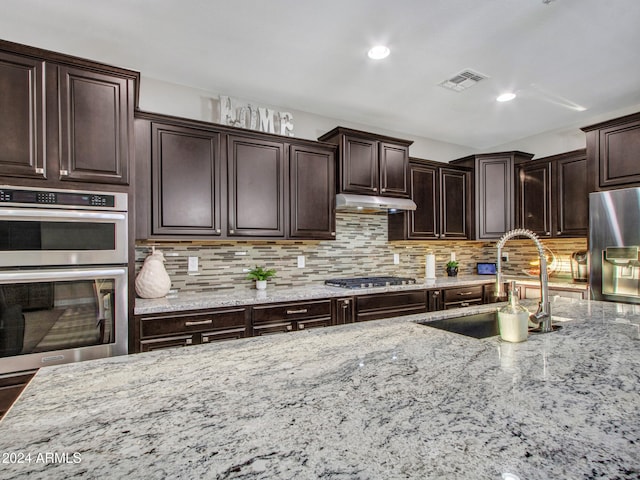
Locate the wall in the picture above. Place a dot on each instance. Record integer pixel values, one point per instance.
(179, 100)
(360, 249)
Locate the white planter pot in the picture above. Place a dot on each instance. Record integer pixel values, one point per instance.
(261, 284)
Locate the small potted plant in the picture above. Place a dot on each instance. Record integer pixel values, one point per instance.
(261, 275)
(452, 268)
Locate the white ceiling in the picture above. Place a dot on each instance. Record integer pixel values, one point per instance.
(311, 56)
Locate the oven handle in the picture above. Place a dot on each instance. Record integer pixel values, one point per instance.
(22, 276)
(28, 214)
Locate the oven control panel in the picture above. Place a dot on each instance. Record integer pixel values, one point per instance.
(56, 197)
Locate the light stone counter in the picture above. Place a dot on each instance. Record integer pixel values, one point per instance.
(196, 301)
(387, 399)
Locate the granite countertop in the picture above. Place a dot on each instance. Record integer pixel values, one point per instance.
(381, 399)
(195, 301)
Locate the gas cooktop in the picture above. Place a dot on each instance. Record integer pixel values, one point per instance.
(368, 282)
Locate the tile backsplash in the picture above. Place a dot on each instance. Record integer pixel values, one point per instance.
(361, 248)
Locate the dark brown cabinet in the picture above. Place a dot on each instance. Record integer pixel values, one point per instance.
(613, 149)
(255, 187)
(22, 122)
(384, 305)
(434, 300)
(287, 317)
(553, 199)
(182, 329)
(312, 196)
(96, 124)
(185, 176)
(65, 118)
(344, 311)
(459, 297)
(11, 385)
(494, 191)
(370, 164)
(442, 197)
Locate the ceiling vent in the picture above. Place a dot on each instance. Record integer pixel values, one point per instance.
(463, 80)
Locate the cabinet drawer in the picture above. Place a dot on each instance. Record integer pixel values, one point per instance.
(291, 311)
(385, 305)
(274, 327)
(460, 294)
(219, 335)
(185, 323)
(467, 303)
(167, 342)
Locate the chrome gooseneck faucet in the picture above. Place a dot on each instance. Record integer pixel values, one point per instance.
(543, 315)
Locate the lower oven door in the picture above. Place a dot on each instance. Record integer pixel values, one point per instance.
(53, 316)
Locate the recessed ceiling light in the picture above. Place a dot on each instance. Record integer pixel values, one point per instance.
(379, 52)
(505, 97)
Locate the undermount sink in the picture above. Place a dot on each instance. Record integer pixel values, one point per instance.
(479, 325)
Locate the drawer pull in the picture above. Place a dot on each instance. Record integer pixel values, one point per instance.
(199, 322)
(465, 293)
(464, 304)
(293, 312)
(289, 327)
(64, 173)
(301, 326)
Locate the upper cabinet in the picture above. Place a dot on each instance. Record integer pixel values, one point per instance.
(442, 196)
(552, 195)
(370, 164)
(613, 149)
(256, 187)
(312, 192)
(22, 122)
(64, 118)
(200, 180)
(494, 191)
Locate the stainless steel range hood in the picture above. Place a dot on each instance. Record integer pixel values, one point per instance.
(348, 202)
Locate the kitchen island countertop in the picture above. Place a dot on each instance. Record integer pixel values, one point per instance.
(382, 399)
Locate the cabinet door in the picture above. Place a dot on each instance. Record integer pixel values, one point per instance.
(424, 220)
(618, 155)
(22, 119)
(572, 197)
(312, 193)
(359, 165)
(394, 168)
(344, 311)
(256, 183)
(494, 196)
(455, 205)
(96, 117)
(434, 300)
(186, 183)
(534, 200)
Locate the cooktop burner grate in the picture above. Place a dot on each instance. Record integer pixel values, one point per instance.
(368, 282)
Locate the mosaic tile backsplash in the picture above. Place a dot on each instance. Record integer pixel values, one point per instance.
(361, 248)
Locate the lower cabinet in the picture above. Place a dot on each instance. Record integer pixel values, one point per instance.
(385, 305)
(191, 328)
(11, 385)
(463, 296)
(181, 329)
(287, 317)
(533, 292)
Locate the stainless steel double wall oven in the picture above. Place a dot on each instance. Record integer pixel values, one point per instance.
(63, 276)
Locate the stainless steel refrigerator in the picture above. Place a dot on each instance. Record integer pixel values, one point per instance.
(614, 245)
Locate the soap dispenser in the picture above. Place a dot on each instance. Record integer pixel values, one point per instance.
(513, 318)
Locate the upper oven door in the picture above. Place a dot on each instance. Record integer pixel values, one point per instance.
(39, 236)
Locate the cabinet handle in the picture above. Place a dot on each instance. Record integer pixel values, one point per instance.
(289, 327)
(301, 326)
(217, 230)
(346, 303)
(232, 232)
(292, 312)
(64, 173)
(436, 294)
(375, 189)
(464, 304)
(442, 235)
(383, 190)
(188, 341)
(559, 232)
(547, 233)
(39, 170)
(198, 322)
(465, 293)
(205, 339)
(333, 234)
